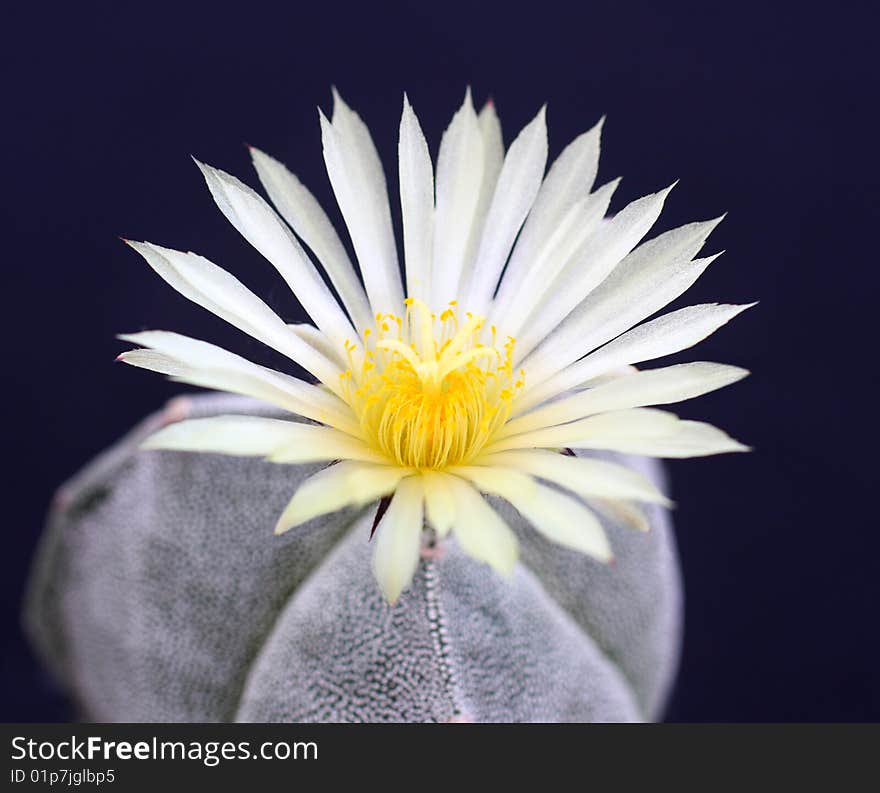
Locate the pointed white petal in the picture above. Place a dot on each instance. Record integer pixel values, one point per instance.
(493, 160)
(248, 436)
(493, 143)
(460, 169)
(257, 222)
(514, 195)
(358, 181)
(614, 374)
(302, 211)
(585, 477)
(337, 486)
(214, 289)
(208, 366)
(650, 387)
(569, 181)
(439, 502)
(480, 530)
(646, 431)
(277, 440)
(596, 432)
(650, 277)
(320, 341)
(691, 439)
(398, 538)
(164, 364)
(595, 260)
(663, 336)
(563, 245)
(417, 204)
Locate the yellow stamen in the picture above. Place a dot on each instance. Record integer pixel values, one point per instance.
(435, 395)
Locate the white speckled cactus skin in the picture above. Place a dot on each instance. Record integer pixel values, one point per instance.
(160, 594)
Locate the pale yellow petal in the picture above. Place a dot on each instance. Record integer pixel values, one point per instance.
(564, 520)
(338, 486)
(397, 540)
(480, 530)
(439, 502)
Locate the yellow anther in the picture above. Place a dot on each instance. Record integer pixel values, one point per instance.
(434, 396)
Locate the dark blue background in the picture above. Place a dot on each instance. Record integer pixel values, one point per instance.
(766, 110)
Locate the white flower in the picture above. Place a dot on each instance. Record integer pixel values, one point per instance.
(510, 342)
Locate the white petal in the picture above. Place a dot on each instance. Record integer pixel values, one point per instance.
(320, 341)
(208, 366)
(493, 161)
(214, 289)
(663, 336)
(691, 439)
(513, 308)
(646, 431)
(398, 538)
(358, 181)
(569, 181)
(650, 387)
(247, 436)
(338, 486)
(602, 253)
(460, 168)
(586, 477)
(596, 432)
(262, 228)
(493, 145)
(514, 195)
(302, 211)
(480, 530)
(277, 440)
(439, 502)
(417, 204)
(650, 277)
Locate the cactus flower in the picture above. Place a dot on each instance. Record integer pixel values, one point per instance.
(508, 338)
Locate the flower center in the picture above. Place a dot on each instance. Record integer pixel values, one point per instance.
(427, 391)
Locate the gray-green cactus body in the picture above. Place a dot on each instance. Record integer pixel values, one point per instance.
(161, 594)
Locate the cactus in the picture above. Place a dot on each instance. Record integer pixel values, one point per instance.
(159, 593)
